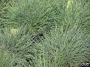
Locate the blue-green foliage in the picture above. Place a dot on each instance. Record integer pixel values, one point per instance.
(49, 33)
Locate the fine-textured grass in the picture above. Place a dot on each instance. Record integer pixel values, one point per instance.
(14, 48)
(65, 45)
(40, 16)
(62, 47)
(65, 48)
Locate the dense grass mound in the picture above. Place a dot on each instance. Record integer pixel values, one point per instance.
(65, 48)
(38, 33)
(40, 16)
(62, 47)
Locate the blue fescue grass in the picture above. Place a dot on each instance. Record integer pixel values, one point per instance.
(66, 48)
(65, 45)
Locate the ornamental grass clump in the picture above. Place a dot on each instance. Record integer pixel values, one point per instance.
(65, 47)
(42, 15)
(52, 33)
(16, 50)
